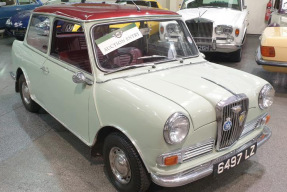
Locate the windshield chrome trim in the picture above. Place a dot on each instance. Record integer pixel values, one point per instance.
(127, 76)
(112, 21)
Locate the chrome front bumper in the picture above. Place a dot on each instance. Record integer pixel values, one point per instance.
(261, 61)
(206, 169)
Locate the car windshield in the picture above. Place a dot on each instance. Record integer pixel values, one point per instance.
(140, 3)
(233, 4)
(129, 45)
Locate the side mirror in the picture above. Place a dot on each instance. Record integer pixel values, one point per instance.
(79, 77)
(244, 7)
(2, 4)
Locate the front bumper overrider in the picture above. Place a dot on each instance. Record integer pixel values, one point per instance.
(261, 61)
(206, 169)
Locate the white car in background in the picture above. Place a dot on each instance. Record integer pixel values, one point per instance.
(216, 25)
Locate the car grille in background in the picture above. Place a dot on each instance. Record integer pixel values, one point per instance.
(197, 151)
(200, 29)
(223, 112)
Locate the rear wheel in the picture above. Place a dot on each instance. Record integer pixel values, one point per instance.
(236, 56)
(123, 164)
(28, 103)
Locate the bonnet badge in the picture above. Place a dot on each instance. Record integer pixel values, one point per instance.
(227, 124)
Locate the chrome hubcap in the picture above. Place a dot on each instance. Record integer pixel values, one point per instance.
(26, 93)
(120, 165)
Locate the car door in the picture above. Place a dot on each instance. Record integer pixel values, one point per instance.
(37, 41)
(65, 100)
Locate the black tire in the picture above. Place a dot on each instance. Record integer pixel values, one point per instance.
(27, 101)
(138, 179)
(20, 38)
(236, 55)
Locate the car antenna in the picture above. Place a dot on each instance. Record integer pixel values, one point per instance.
(138, 8)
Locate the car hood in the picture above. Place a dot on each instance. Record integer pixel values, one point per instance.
(199, 87)
(218, 15)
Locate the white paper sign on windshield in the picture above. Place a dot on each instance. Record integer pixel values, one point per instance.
(118, 38)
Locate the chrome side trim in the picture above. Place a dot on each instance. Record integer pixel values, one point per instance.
(206, 169)
(261, 61)
(13, 75)
(219, 85)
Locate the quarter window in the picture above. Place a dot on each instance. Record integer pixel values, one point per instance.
(38, 34)
(69, 45)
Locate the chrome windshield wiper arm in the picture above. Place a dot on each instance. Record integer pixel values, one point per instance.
(152, 57)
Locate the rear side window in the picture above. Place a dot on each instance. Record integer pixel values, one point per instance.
(39, 32)
(69, 45)
(8, 2)
(26, 2)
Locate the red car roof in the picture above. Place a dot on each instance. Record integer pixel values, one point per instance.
(92, 11)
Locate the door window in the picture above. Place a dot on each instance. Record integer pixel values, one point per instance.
(27, 2)
(8, 2)
(38, 34)
(69, 45)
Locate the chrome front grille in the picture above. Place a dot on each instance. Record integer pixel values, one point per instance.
(197, 151)
(230, 112)
(200, 29)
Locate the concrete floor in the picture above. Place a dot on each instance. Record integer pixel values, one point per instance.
(39, 154)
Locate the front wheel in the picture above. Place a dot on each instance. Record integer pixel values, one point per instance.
(29, 104)
(123, 164)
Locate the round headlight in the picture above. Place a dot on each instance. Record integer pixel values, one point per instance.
(176, 128)
(219, 30)
(266, 96)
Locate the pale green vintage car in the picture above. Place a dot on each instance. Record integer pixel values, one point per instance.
(156, 110)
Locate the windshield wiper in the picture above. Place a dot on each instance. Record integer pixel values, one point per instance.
(128, 67)
(152, 57)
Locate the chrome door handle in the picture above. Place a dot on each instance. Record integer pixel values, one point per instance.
(45, 69)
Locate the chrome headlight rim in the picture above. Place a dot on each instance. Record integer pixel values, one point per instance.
(168, 127)
(223, 29)
(264, 92)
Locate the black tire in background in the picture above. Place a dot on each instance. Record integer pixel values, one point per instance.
(236, 55)
(28, 103)
(138, 179)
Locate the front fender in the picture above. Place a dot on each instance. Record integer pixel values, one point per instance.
(138, 113)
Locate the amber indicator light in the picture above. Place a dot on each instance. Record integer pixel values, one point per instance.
(267, 51)
(237, 31)
(171, 160)
(161, 29)
(267, 119)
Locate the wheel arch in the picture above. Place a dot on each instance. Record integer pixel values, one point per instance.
(97, 147)
(19, 72)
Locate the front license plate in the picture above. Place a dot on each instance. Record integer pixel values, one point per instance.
(203, 48)
(235, 160)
